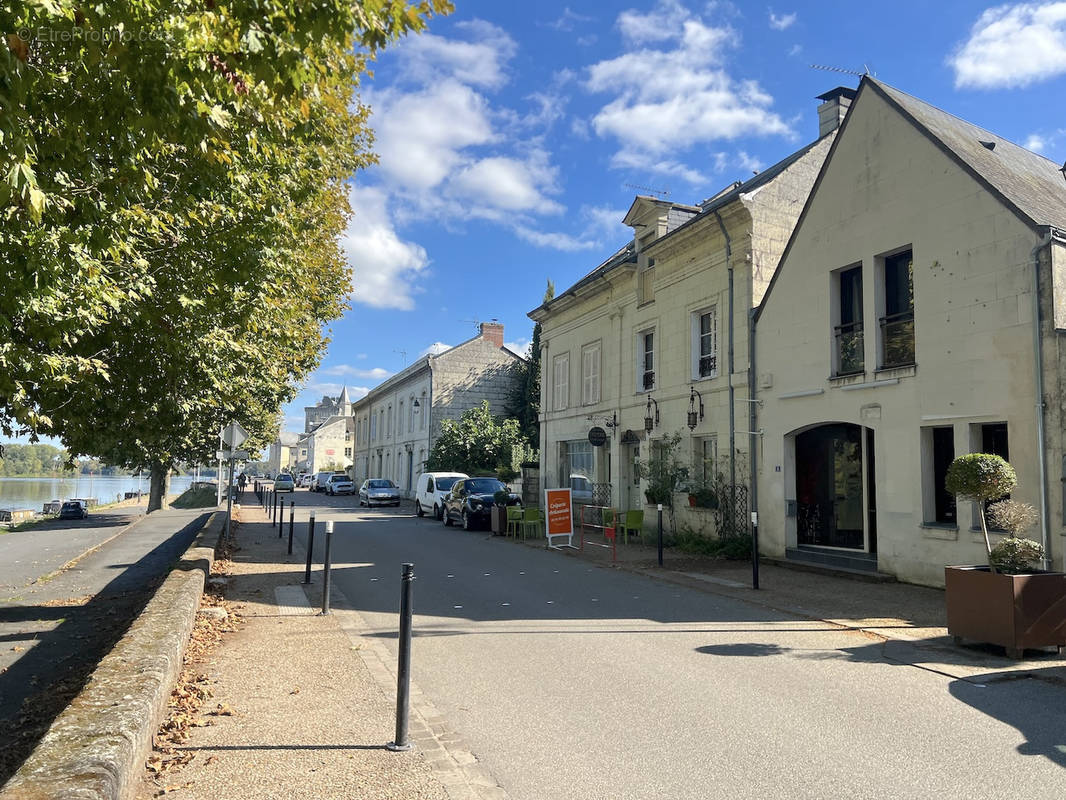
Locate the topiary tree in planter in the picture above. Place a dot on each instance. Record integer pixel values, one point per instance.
(981, 477)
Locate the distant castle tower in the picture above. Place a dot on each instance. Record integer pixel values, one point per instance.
(325, 408)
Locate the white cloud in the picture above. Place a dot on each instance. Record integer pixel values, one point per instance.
(428, 58)
(519, 348)
(1013, 45)
(1045, 143)
(507, 184)
(417, 148)
(385, 268)
(376, 373)
(678, 95)
(554, 240)
(783, 22)
(435, 349)
(568, 20)
(747, 162)
(1036, 143)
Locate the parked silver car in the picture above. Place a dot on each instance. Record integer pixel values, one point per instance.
(379, 491)
(340, 483)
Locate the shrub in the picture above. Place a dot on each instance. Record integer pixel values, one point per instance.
(731, 548)
(1014, 555)
(1012, 516)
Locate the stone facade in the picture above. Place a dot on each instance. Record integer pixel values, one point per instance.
(650, 328)
(331, 444)
(864, 401)
(397, 423)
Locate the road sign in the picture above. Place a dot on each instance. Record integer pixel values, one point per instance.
(226, 455)
(233, 435)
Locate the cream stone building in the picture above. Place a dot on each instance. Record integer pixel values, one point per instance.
(655, 339)
(917, 314)
(397, 423)
(330, 445)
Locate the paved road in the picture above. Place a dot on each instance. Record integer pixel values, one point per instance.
(578, 682)
(55, 628)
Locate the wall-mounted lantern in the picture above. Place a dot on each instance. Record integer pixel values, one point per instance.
(694, 417)
(650, 423)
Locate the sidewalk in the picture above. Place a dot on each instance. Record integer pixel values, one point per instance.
(302, 705)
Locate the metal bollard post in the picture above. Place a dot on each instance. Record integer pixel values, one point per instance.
(660, 506)
(274, 509)
(310, 546)
(403, 672)
(325, 569)
(281, 520)
(292, 518)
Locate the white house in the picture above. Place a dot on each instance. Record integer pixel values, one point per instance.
(916, 315)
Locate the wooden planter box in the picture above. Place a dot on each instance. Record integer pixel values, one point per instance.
(1014, 611)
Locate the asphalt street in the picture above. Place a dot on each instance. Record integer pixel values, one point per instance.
(579, 682)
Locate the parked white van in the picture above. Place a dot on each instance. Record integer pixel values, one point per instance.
(432, 486)
(320, 480)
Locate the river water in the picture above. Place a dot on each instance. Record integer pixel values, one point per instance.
(33, 493)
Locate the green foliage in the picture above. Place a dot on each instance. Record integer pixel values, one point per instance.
(204, 497)
(502, 497)
(24, 460)
(172, 190)
(732, 548)
(980, 476)
(478, 442)
(523, 403)
(1013, 516)
(1014, 555)
(664, 471)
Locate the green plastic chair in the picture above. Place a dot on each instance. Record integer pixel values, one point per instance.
(632, 523)
(610, 517)
(514, 520)
(532, 522)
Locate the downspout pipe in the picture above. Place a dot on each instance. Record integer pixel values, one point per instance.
(753, 435)
(732, 391)
(1038, 355)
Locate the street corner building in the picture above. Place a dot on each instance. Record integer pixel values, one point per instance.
(917, 314)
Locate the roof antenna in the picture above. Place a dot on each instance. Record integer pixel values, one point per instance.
(866, 70)
(657, 192)
(475, 322)
(403, 355)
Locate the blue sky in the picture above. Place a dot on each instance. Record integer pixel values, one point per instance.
(511, 137)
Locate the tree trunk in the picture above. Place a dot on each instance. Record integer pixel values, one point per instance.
(157, 495)
(984, 530)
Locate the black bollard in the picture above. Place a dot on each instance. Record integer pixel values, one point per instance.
(274, 509)
(754, 550)
(403, 671)
(325, 569)
(281, 520)
(310, 546)
(292, 517)
(660, 534)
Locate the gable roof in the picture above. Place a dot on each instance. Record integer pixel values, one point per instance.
(1032, 186)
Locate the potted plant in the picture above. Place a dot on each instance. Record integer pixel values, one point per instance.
(498, 512)
(1005, 601)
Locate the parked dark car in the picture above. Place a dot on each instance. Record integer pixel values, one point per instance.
(380, 491)
(73, 511)
(471, 500)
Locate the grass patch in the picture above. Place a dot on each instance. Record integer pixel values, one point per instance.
(204, 497)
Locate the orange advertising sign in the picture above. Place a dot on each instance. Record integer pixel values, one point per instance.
(560, 515)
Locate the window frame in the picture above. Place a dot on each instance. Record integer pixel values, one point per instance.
(643, 356)
(844, 325)
(697, 342)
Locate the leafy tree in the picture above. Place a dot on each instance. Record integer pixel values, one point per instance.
(173, 189)
(25, 460)
(523, 403)
(478, 443)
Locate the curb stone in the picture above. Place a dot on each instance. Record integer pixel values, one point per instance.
(96, 748)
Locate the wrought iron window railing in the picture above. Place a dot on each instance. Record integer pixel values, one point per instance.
(708, 366)
(849, 344)
(897, 334)
(649, 379)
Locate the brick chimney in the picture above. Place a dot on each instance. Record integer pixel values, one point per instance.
(835, 104)
(492, 332)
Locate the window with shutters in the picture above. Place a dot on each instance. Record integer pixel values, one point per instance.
(561, 382)
(705, 343)
(590, 374)
(646, 360)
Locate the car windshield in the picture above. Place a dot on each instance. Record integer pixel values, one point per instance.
(382, 485)
(70, 506)
(283, 478)
(444, 484)
(484, 486)
(340, 476)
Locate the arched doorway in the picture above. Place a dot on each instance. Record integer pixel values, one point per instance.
(835, 492)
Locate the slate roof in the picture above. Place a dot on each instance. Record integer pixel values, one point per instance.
(1031, 184)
